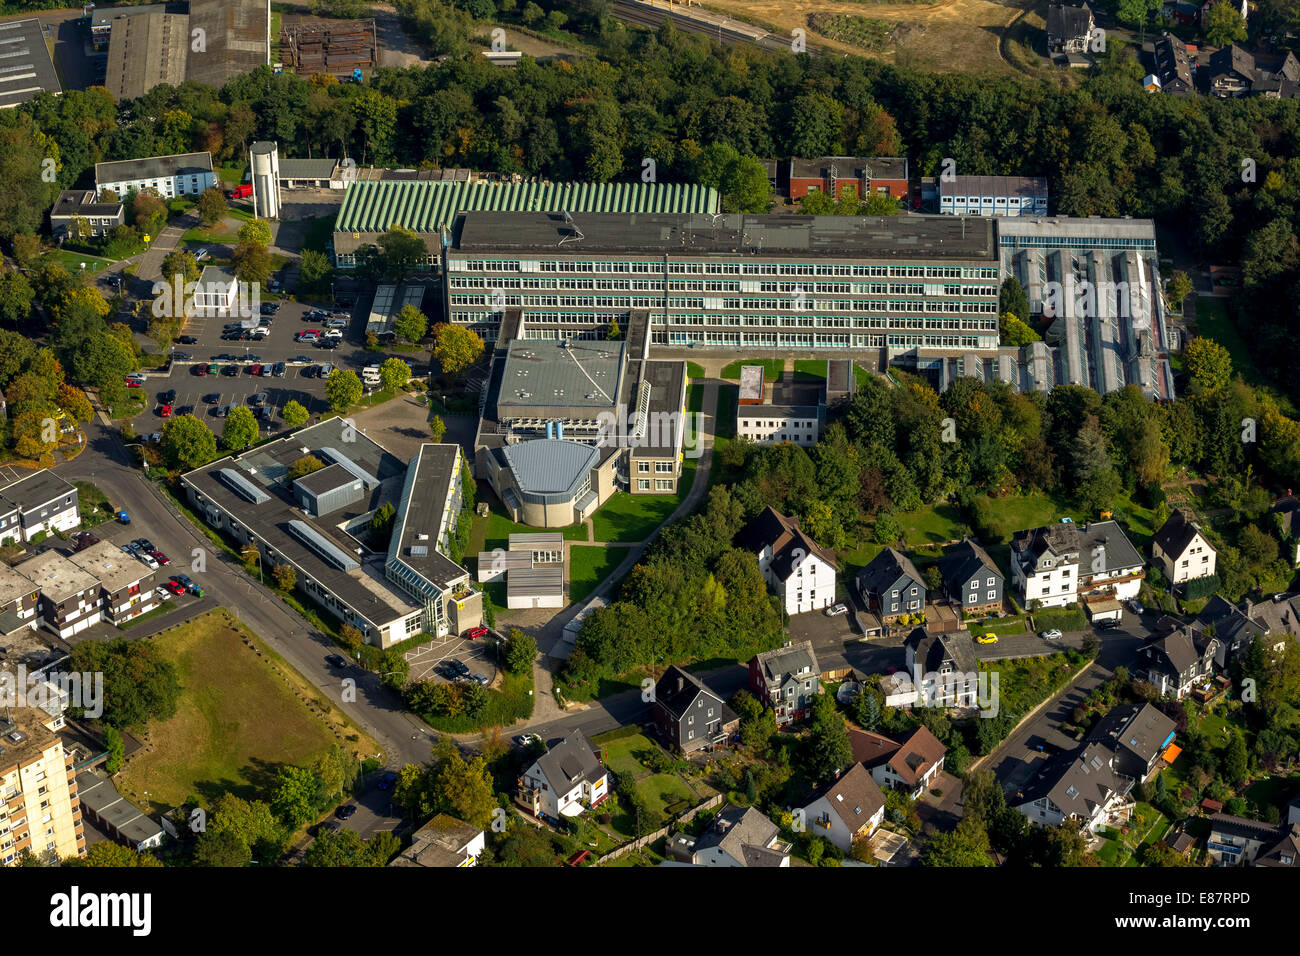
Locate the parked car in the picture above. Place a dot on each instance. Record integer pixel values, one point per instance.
(201, 254)
(83, 540)
(165, 411)
(175, 587)
(181, 356)
(123, 517)
(188, 340)
(329, 344)
(987, 638)
(336, 660)
(481, 680)
(325, 371)
(231, 370)
(331, 334)
(459, 667)
(266, 413)
(1134, 605)
(160, 557)
(836, 609)
(163, 593)
(211, 398)
(336, 324)
(346, 811)
(274, 285)
(474, 633)
(258, 399)
(255, 370)
(221, 411)
(188, 584)
(147, 560)
(387, 781)
(1052, 635)
(525, 740)
(134, 383)
(200, 370)
(144, 544)
(213, 368)
(1107, 625)
(278, 369)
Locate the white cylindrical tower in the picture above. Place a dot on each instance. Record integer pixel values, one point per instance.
(264, 157)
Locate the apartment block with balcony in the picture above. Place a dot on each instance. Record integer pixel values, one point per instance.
(39, 808)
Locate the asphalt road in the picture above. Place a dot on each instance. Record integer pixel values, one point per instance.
(377, 710)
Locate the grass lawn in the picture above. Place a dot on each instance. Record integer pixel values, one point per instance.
(72, 261)
(92, 504)
(497, 529)
(620, 755)
(806, 370)
(233, 173)
(932, 524)
(160, 610)
(1017, 513)
(629, 517)
(860, 375)
(772, 369)
(588, 566)
(695, 399)
(1003, 626)
(237, 720)
(694, 370)
(1060, 618)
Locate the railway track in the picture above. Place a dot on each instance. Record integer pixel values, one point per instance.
(640, 14)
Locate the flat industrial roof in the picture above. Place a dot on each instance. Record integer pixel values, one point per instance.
(26, 68)
(1031, 186)
(685, 235)
(146, 51)
(14, 585)
(425, 491)
(153, 167)
(237, 34)
(579, 373)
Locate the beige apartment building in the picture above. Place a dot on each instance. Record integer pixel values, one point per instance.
(39, 807)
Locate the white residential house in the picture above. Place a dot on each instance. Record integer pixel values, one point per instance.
(1079, 785)
(1066, 563)
(741, 838)
(1182, 550)
(848, 810)
(800, 571)
(566, 780)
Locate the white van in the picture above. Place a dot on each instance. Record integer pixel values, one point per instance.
(370, 375)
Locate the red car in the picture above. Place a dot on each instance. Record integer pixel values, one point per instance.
(165, 411)
(174, 587)
(160, 557)
(255, 370)
(134, 383)
(474, 633)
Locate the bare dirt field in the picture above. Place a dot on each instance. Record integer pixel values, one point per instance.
(947, 36)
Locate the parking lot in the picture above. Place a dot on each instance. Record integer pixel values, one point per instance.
(228, 366)
(426, 660)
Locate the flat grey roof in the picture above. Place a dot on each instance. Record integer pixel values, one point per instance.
(103, 16)
(428, 482)
(872, 167)
(751, 382)
(783, 411)
(83, 202)
(307, 168)
(685, 234)
(153, 167)
(56, 576)
(1030, 186)
(547, 373)
(326, 479)
(25, 65)
(13, 585)
(237, 37)
(114, 568)
(535, 582)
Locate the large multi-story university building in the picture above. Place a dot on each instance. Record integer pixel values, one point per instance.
(39, 807)
(318, 524)
(731, 281)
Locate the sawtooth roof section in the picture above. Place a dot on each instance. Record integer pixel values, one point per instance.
(428, 206)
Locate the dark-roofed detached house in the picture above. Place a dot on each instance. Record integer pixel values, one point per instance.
(1286, 515)
(1081, 785)
(796, 567)
(1174, 66)
(1069, 29)
(1139, 735)
(1178, 660)
(1283, 853)
(973, 582)
(945, 665)
(564, 781)
(848, 810)
(891, 586)
(786, 680)
(1182, 550)
(689, 716)
(1236, 841)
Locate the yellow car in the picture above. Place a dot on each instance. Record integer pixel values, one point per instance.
(988, 638)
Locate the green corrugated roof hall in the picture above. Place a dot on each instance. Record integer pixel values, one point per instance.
(370, 207)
